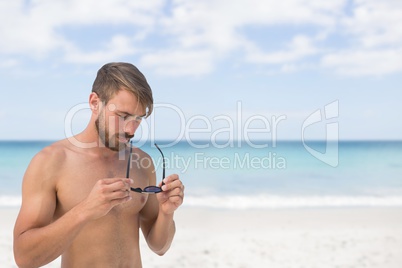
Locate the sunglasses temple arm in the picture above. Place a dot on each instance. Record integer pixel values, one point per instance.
(129, 160)
(163, 174)
(163, 162)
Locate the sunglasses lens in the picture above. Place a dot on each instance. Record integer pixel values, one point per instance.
(152, 189)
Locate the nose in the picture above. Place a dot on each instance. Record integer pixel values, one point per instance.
(131, 126)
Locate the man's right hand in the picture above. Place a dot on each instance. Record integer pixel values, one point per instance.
(106, 194)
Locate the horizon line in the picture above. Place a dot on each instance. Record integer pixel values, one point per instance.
(205, 140)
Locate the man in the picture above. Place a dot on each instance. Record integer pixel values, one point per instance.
(76, 199)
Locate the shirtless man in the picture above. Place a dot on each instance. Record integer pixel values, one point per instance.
(76, 201)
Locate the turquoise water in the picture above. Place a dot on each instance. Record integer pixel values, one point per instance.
(367, 173)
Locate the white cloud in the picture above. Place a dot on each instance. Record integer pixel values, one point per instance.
(375, 40)
(300, 47)
(191, 37)
(375, 23)
(179, 62)
(365, 62)
(33, 28)
(9, 63)
(24, 33)
(218, 26)
(118, 47)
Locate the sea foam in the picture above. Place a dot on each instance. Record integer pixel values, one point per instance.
(267, 201)
(276, 201)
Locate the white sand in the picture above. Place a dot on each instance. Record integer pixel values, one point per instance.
(344, 237)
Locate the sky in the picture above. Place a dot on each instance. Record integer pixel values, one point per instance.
(220, 70)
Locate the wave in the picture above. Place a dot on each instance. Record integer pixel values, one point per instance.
(10, 201)
(267, 201)
(272, 201)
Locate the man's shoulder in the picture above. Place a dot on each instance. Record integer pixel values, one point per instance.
(54, 153)
(46, 163)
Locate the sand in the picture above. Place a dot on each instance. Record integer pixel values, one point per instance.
(322, 238)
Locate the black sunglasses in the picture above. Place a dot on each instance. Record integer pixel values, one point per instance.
(148, 189)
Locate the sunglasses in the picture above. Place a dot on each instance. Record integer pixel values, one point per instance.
(148, 189)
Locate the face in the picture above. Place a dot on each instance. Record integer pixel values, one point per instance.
(118, 120)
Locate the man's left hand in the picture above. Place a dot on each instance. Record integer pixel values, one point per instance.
(173, 194)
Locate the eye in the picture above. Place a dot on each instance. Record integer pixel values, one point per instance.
(138, 118)
(124, 117)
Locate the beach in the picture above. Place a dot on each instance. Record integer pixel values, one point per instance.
(294, 237)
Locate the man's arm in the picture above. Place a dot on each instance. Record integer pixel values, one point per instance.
(157, 222)
(158, 228)
(37, 239)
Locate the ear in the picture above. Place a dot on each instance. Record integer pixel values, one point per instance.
(94, 102)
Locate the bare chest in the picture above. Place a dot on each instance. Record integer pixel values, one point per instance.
(78, 177)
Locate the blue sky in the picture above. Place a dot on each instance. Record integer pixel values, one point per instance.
(204, 60)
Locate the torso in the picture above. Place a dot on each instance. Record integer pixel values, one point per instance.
(113, 240)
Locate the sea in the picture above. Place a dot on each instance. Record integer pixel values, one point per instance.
(244, 175)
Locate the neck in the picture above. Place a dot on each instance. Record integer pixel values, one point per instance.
(90, 142)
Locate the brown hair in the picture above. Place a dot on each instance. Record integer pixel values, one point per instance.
(116, 76)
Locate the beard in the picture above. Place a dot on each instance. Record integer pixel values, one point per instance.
(111, 142)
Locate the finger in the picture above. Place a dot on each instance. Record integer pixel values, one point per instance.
(119, 195)
(120, 184)
(171, 178)
(108, 181)
(172, 185)
(176, 200)
(173, 193)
